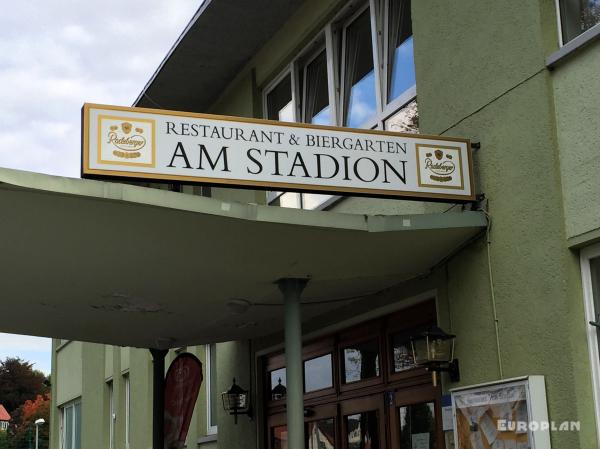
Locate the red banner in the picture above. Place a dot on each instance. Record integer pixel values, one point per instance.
(182, 385)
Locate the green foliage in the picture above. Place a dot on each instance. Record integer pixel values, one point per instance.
(4, 440)
(25, 393)
(19, 382)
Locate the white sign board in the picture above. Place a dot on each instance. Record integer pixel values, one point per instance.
(141, 143)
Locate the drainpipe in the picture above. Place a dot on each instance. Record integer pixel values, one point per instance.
(158, 401)
(292, 288)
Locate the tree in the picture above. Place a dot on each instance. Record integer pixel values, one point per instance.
(22, 427)
(19, 382)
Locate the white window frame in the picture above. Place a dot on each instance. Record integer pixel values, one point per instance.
(211, 429)
(586, 255)
(127, 382)
(112, 416)
(561, 40)
(63, 427)
(332, 39)
(559, 21)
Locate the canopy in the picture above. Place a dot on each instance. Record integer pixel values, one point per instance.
(132, 266)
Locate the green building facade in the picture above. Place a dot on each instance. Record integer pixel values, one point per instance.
(519, 78)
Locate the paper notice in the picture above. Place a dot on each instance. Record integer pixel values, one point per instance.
(477, 441)
(510, 444)
(489, 428)
(498, 444)
(420, 440)
(447, 421)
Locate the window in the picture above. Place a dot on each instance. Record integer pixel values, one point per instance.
(361, 361)
(127, 411)
(349, 75)
(211, 388)
(316, 107)
(358, 86)
(111, 415)
(590, 274)
(577, 16)
(400, 69)
(318, 373)
(279, 101)
(278, 384)
(71, 426)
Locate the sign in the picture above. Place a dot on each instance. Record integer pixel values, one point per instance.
(185, 147)
(501, 415)
(182, 385)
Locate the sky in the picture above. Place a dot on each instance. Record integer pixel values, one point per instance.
(54, 56)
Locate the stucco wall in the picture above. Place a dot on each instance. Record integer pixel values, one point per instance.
(576, 85)
(68, 372)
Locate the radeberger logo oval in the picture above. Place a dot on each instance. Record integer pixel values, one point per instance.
(440, 168)
(130, 143)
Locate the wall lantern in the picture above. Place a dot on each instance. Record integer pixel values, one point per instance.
(434, 349)
(236, 401)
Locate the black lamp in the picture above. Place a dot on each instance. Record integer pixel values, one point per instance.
(434, 349)
(236, 401)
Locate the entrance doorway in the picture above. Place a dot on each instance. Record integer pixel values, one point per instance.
(362, 389)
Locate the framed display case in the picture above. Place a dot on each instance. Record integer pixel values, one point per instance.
(508, 414)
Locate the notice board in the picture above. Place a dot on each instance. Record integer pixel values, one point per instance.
(509, 414)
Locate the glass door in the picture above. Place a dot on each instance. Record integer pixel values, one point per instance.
(414, 418)
(320, 429)
(363, 423)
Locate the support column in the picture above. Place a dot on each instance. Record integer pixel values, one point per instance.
(158, 402)
(292, 289)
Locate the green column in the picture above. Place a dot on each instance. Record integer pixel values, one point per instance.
(292, 289)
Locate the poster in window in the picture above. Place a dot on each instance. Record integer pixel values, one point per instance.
(500, 415)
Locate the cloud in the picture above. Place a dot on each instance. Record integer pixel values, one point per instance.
(54, 57)
(34, 350)
(58, 55)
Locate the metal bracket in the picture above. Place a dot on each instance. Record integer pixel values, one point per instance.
(597, 322)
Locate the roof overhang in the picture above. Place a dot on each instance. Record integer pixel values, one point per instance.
(126, 265)
(216, 44)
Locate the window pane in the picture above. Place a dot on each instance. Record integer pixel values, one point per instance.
(406, 120)
(595, 272)
(279, 101)
(77, 423)
(362, 431)
(68, 416)
(127, 410)
(314, 200)
(401, 66)
(417, 425)
(318, 373)
(402, 357)
(213, 384)
(279, 437)
(321, 434)
(361, 361)
(278, 384)
(289, 199)
(359, 76)
(111, 416)
(578, 16)
(316, 106)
